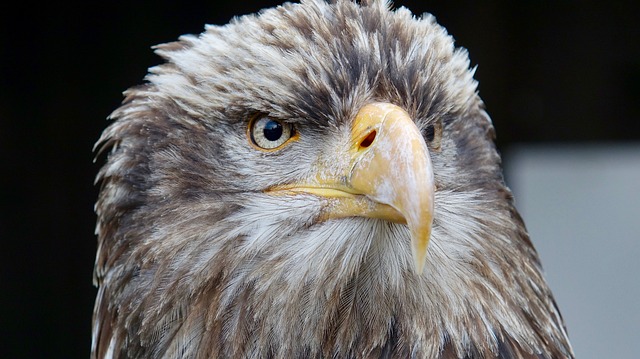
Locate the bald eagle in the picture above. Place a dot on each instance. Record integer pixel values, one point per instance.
(318, 180)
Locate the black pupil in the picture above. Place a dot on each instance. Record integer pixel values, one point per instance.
(272, 130)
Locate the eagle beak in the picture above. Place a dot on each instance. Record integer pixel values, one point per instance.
(392, 166)
(386, 174)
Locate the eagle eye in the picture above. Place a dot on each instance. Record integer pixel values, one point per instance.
(433, 135)
(268, 133)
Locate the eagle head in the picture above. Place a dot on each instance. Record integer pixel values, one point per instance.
(319, 181)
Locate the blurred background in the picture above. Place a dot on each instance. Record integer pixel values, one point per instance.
(561, 80)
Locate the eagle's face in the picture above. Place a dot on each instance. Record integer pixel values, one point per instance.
(272, 188)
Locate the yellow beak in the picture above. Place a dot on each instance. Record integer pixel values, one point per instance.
(387, 174)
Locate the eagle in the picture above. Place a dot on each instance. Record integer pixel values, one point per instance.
(318, 180)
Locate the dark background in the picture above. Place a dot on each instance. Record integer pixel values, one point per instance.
(549, 71)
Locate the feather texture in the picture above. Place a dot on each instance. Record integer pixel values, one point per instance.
(195, 261)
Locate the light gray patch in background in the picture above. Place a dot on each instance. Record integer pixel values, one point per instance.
(581, 205)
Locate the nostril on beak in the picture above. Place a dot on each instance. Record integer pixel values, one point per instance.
(367, 141)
